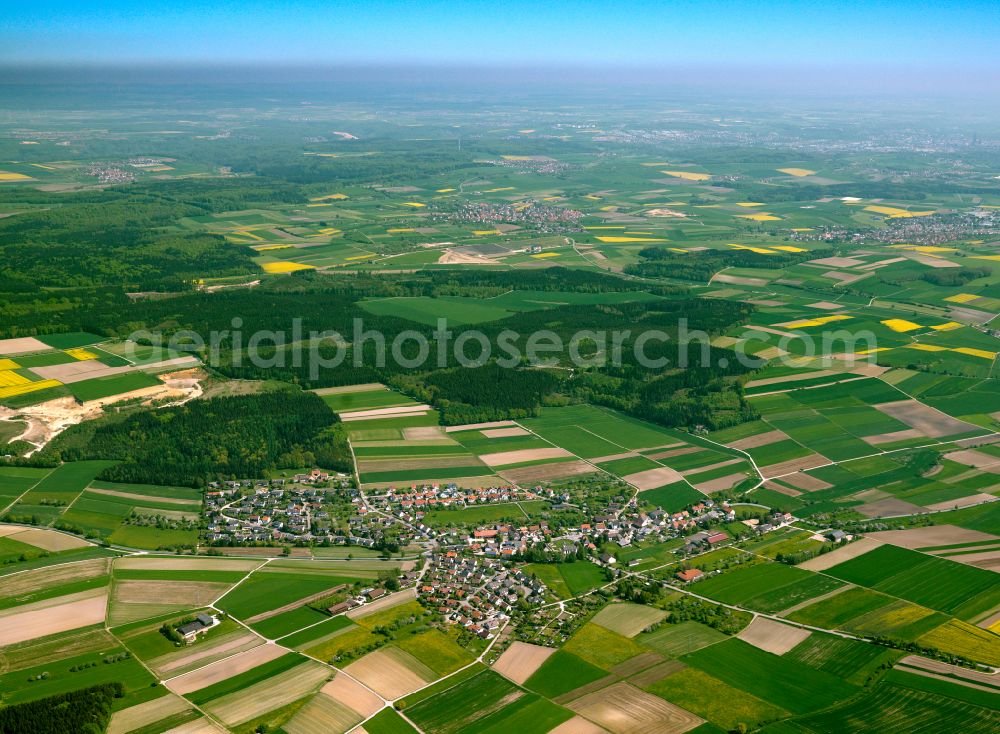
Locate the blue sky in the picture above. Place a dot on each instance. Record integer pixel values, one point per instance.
(666, 33)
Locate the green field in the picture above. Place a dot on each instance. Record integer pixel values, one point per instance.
(785, 683)
(562, 673)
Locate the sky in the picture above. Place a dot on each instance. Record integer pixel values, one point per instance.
(891, 34)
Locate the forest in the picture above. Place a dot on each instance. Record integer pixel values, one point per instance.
(659, 262)
(209, 440)
(86, 711)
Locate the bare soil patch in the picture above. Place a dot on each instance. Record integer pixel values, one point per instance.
(478, 426)
(202, 653)
(180, 563)
(22, 345)
(671, 453)
(973, 458)
(546, 472)
(967, 501)
(386, 602)
(269, 695)
(624, 709)
(144, 714)
(383, 412)
(52, 616)
(889, 508)
(504, 432)
(521, 660)
(794, 465)
(805, 482)
(653, 478)
(42, 578)
(932, 535)
(578, 725)
(836, 262)
(955, 671)
(224, 669)
(386, 674)
(138, 497)
(736, 280)
(50, 540)
(503, 458)
(451, 257)
(845, 553)
(774, 637)
(353, 695)
(882, 438)
(925, 419)
(715, 485)
(423, 433)
(758, 440)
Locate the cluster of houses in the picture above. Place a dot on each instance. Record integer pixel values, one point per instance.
(475, 592)
(416, 498)
(287, 510)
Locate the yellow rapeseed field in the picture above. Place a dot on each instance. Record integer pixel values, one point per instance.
(329, 196)
(284, 266)
(947, 327)
(758, 250)
(269, 248)
(762, 217)
(788, 248)
(444, 191)
(901, 325)
(8, 364)
(481, 232)
(9, 378)
(8, 176)
(26, 387)
(414, 204)
(797, 171)
(630, 239)
(397, 230)
(81, 354)
(969, 351)
(818, 321)
(546, 254)
(689, 175)
(985, 354)
(749, 203)
(962, 297)
(894, 212)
